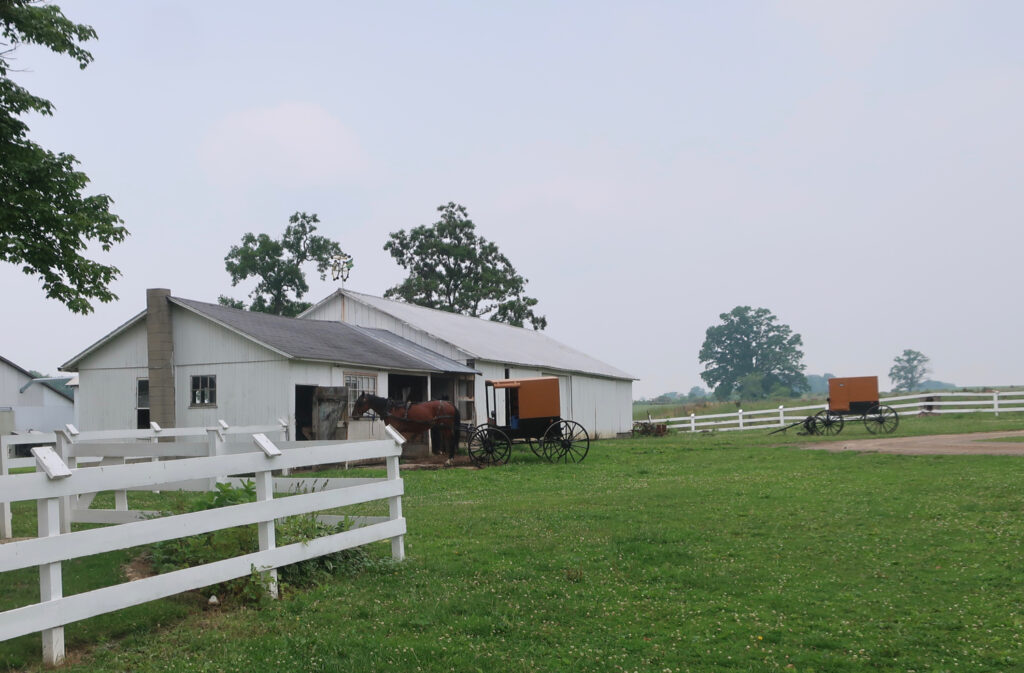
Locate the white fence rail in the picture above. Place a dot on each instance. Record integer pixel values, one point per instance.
(115, 447)
(931, 403)
(58, 483)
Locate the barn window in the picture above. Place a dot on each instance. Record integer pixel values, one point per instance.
(142, 404)
(204, 391)
(358, 384)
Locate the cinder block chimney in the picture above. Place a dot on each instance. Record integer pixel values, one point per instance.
(161, 357)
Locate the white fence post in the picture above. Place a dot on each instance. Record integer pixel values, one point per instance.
(739, 415)
(51, 585)
(782, 415)
(63, 449)
(693, 422)
(216, 440)
(49, 524)
(995, 402)
(395, 502)
(6, 529)
(267, 532)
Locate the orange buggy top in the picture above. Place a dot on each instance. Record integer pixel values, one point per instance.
(853, 395)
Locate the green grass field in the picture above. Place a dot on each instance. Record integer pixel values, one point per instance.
(707, 552)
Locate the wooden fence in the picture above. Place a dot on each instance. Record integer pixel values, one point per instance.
(115, 447)
(930, 403)
(56, 486)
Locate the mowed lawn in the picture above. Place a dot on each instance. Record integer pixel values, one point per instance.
(727, 552)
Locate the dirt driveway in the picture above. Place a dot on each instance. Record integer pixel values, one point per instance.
(977, 443)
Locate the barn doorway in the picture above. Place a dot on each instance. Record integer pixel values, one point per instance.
(321, 413)
(406, 388)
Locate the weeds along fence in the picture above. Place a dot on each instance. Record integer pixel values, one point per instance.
(57, 485)
(927, 403)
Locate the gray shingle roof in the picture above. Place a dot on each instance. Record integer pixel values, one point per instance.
(327, 341)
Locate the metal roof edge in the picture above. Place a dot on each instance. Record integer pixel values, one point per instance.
(17, 366)
(625, 376)
(363, 365)
(72, 364)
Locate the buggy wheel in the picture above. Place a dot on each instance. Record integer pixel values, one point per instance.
(489, 446)
(828, 423)
(536, 445)
(881, 418)
(565, 442)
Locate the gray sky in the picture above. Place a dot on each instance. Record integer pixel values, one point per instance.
(853, 167)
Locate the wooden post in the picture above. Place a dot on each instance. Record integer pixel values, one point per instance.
(267, 534)
(51, 586)
(782, 415)
(740, 416)
(49, 524)
(6, 528)
(216, 448)
(693, 421)
(395, 512)
(395, 502)
(995, 402)
(63, 449)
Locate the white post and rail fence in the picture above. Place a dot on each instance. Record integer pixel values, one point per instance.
(927, 403)
(62, 489)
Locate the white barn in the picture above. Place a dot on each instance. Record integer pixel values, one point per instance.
(593, 393)
(28, 403)
(185, 363)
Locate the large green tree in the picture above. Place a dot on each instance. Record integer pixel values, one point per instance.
(908, 370)
(753, 355)
(46, 222)
(277, 264)
(452, 269)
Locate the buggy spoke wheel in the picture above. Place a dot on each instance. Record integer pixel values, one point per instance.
(828, 423)
(536, 445)
(566, 442)
(881, 419)
(489, 446)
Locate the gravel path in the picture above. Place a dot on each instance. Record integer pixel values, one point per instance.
(976, 443)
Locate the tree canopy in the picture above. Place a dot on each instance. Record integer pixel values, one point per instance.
(278, 266)
(452, 269)
(908, 370)
(752, 355)
(47, 222)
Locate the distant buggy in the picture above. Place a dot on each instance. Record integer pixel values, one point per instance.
(532, 407)
(855, 396)
(852, 396)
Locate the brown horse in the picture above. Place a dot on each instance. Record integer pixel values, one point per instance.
(440, 417)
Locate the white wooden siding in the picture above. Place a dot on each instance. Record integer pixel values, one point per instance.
(106, 397)
(128, 349)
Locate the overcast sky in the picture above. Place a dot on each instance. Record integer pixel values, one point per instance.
(856, 167)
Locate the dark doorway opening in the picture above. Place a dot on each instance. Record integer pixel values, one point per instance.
(405, 388)
(304, 412)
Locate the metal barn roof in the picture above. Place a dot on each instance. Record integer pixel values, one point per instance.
(489, 340)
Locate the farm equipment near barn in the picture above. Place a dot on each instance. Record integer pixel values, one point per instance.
(532, 408)
(852, 396)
